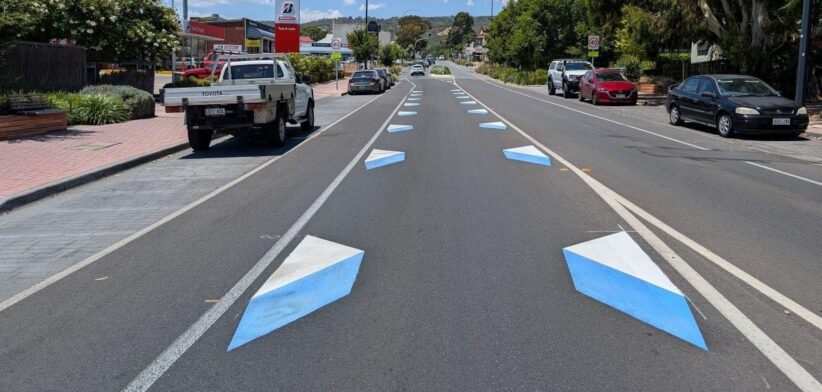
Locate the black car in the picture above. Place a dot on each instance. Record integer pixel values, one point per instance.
(735, 104)
(385, 74)
(365, 81)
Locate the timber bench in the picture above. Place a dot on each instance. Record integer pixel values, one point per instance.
(32, 115)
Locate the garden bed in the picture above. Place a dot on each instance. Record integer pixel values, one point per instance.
(14, 126)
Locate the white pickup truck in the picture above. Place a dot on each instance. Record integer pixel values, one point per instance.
(252, 96)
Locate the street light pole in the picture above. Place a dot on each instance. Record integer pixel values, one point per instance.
(801, 68)
(366, 15)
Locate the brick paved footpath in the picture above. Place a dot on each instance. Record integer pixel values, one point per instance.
(32, 162)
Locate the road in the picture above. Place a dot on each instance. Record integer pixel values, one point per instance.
(463, 284)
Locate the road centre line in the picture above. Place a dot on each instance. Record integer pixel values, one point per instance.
(119, 244)
(647, 131)
(151, 373)
(775, 353)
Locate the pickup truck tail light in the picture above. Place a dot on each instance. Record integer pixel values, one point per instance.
(254, 106)
(174, 109)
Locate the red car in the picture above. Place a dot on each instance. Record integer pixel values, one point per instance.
(607, 85)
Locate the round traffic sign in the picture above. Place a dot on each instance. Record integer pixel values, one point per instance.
(336, 43)
(593, 42)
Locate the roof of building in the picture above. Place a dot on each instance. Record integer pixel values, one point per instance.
(306, 40)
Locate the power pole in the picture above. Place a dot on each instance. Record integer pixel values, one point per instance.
(801, 68)
(492, 8)
(366, 15)
(185, 16)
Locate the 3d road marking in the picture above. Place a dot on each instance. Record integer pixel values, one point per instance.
(378, 158)
(399, 128)
(616, 271)
(477, 111)
(404, 114)
(456, 90)
(468, 102)
(411, 104)
(494, 125)
(413, 99)
(316, 273)
(528, 154)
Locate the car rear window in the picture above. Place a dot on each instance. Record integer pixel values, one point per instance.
(254, 71)
(610, 76)
(578, 66)
(364, 74)
(740, 87)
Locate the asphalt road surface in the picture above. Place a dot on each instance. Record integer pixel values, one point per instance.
(463, 285)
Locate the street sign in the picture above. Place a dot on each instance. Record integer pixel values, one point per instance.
(593, 53)
(287, 26)
(336, 44)
(593, 42)
(228, 48)
(373, 27)
(336, 56)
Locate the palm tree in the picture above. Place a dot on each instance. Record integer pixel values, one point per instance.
(363, 44)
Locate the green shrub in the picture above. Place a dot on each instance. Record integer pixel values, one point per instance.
(139, 103)
(440, 70)
(513, 75)
(190, 82)
(99, 109)
(4, 104)
(318, 68)
(633, 67)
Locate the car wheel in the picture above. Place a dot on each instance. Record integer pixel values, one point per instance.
(725, 125)
(674, 116)
(551, 89)
(566, 93)
(277, 132)
(580, 97)
(199, 140)
(594, 99)
(308, 124)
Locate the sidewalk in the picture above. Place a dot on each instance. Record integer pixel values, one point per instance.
(328, 89)
(35, 162)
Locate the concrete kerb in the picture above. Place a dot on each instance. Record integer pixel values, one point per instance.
(44, 191)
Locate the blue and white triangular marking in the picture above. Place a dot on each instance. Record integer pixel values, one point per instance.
(456, 90)
(463, 97)
(468, 102)
(413, 99)
(404, 114)
(527, 154)
(416, 91)
(494, 125)
(411, 104)
(399, 128)
(477, 111)
(316, 273)
(378, 158)
(614, 270)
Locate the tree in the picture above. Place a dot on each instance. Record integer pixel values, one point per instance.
(315, 32)
(113, 30)
(389, 53)
(363, 44)
(411, 28)
(461, 31)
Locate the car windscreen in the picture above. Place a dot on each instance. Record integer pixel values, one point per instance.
(363, 75)
(610, 77)
(745, 87)
(253, 71)
(580, 66)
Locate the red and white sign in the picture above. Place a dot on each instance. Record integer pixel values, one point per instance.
(593, 42)
(287, 26)
(228, 48)
(206, 30)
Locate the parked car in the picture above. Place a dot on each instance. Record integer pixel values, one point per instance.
(607, 85)
(735, 104)
(417, 69)
(385, 74)
(366, 81)
(564, 75)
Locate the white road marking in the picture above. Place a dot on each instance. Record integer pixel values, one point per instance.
(650, 132)
(769, 348)
(170, 355)
(119, 244)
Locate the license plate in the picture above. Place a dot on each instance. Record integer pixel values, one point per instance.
(620, 95)
(215, 112)
(781, 121)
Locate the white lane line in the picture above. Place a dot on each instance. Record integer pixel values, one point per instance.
(767, 346)
(119, 244)
(652, 133)
(170, 355)
(784, 173)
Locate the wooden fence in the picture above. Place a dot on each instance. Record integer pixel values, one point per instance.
(42, 67)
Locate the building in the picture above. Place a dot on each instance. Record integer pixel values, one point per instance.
(475, 51)
(304, 40)
(341, 30)
(703, 52)
(255, 37)
(384, 38)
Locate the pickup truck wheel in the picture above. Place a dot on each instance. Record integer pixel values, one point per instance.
(551, 89)
(566, 92)
(199, 140)
(308, 124)
(277, 132)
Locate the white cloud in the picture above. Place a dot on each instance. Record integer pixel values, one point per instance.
(349, 3)
(445, 1)
(309, 15)
(373, 6)
(470, 3)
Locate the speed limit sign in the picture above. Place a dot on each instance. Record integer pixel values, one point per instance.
(336, 44)
(593, 42)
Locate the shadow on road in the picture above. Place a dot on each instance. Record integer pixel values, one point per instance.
(249, 146)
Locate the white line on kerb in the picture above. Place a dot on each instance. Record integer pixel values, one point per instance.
(125, 241)
(170, 355)
(648, 132)
(776, 354)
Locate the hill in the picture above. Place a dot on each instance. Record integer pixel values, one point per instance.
(438, 23)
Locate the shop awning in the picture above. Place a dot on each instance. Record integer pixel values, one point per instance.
(183, 34)
(255, 33)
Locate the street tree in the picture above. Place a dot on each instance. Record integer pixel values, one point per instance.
(411, 28)
(363, 44)
(461, 31)
(314, 32)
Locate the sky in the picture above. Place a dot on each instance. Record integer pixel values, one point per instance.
(319, 9)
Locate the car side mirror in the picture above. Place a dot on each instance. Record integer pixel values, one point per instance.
(708, 94)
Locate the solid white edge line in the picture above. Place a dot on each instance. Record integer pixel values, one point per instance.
(119, 244)
(767, 346)
(652, 133)
(151, 373)
(784, 173)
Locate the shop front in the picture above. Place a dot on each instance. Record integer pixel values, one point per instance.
(196, 43)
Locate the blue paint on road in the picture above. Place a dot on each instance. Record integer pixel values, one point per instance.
(647, 302)
(411, 104)
(528, 154)
(477, 111)
(404, 114)
(498, 125)
(380, 158)
(468, 102)
(399, 128)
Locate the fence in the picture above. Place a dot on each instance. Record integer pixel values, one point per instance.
(139, 75)
(681, 71)
(42, 67)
